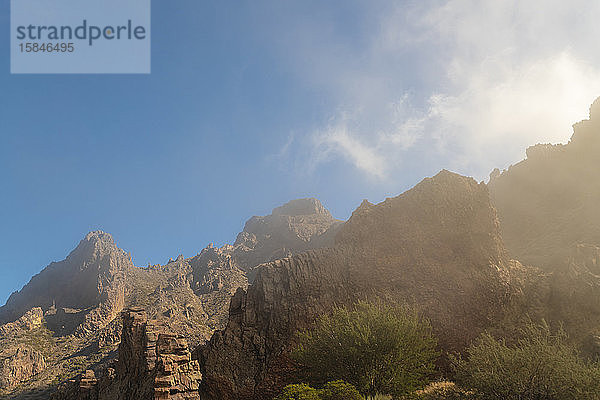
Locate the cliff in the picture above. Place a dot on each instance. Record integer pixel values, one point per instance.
(152, 364)
(436, 246)
(548, 202)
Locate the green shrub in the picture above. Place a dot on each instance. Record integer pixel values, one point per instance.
(335, 390)
(541, 366)
(441, 391)
(377, 347)
(380, 397)
(300, 391)
(339, 390)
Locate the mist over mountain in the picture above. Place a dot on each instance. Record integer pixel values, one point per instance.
(549, 202)
(472, 257)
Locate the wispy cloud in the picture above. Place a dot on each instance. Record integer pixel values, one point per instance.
(473, 82)
(337, 140)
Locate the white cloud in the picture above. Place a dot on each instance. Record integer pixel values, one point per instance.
(337, 140)
(473, 82)
(498, 114)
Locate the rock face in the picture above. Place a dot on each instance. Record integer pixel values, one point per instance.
(297, 226)
(285, 295)
(91, 278)
(437, 245)
(574, 297)
(188, 293)
(549, 202)
(152, 364)
(80, 298)
(32, 319)
(20, 366)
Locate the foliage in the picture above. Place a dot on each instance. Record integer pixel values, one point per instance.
(380, 397)
(377, 347)
(541, 366)
(441, 391)
(335, 390)
(300, 391)
(339, 390)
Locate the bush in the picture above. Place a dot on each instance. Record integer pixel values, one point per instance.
(379, 397)
(441, 391)
(339, 390)
(299, 391)
(540, 366)
(377, 347)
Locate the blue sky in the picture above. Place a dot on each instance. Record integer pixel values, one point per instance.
(253, 103)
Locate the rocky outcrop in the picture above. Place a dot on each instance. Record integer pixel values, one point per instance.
(152, 364)
(297, 226)
(91, 278)
(574, 297)
(20, 366)
(548, 202)
(192, 295)
(177, 375)
(31, 320)
(436, 246)
(285, 296)
(214, 269)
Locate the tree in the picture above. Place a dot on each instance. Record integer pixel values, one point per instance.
(299, 391)
(540, 366)
(336, 390)
(339, 390)
(378, 347)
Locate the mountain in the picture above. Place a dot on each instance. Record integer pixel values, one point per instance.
(437, 246)
(548, 210)
(548, 203)
(88, 287)
(66, 319)
(440, 247)
(296, 226)
(470, 257)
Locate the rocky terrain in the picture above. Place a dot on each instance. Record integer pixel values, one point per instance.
(436, 246)
(220, 325)
(67, 320)
(439, 246)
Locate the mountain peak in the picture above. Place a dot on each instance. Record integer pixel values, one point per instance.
(99, 236)
(91, 274)
(307, 206)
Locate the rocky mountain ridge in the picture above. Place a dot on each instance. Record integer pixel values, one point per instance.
(547, 203)
(220, 325)
(443, 253)
(190, 297)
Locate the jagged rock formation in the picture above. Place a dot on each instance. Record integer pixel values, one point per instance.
(297, 226)
(437, 246)
(152, 364)
(285, 295)
(78, 300)
(548, 203)
(18, 361)
(20, 366)
(89, 283)
(31, 320)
